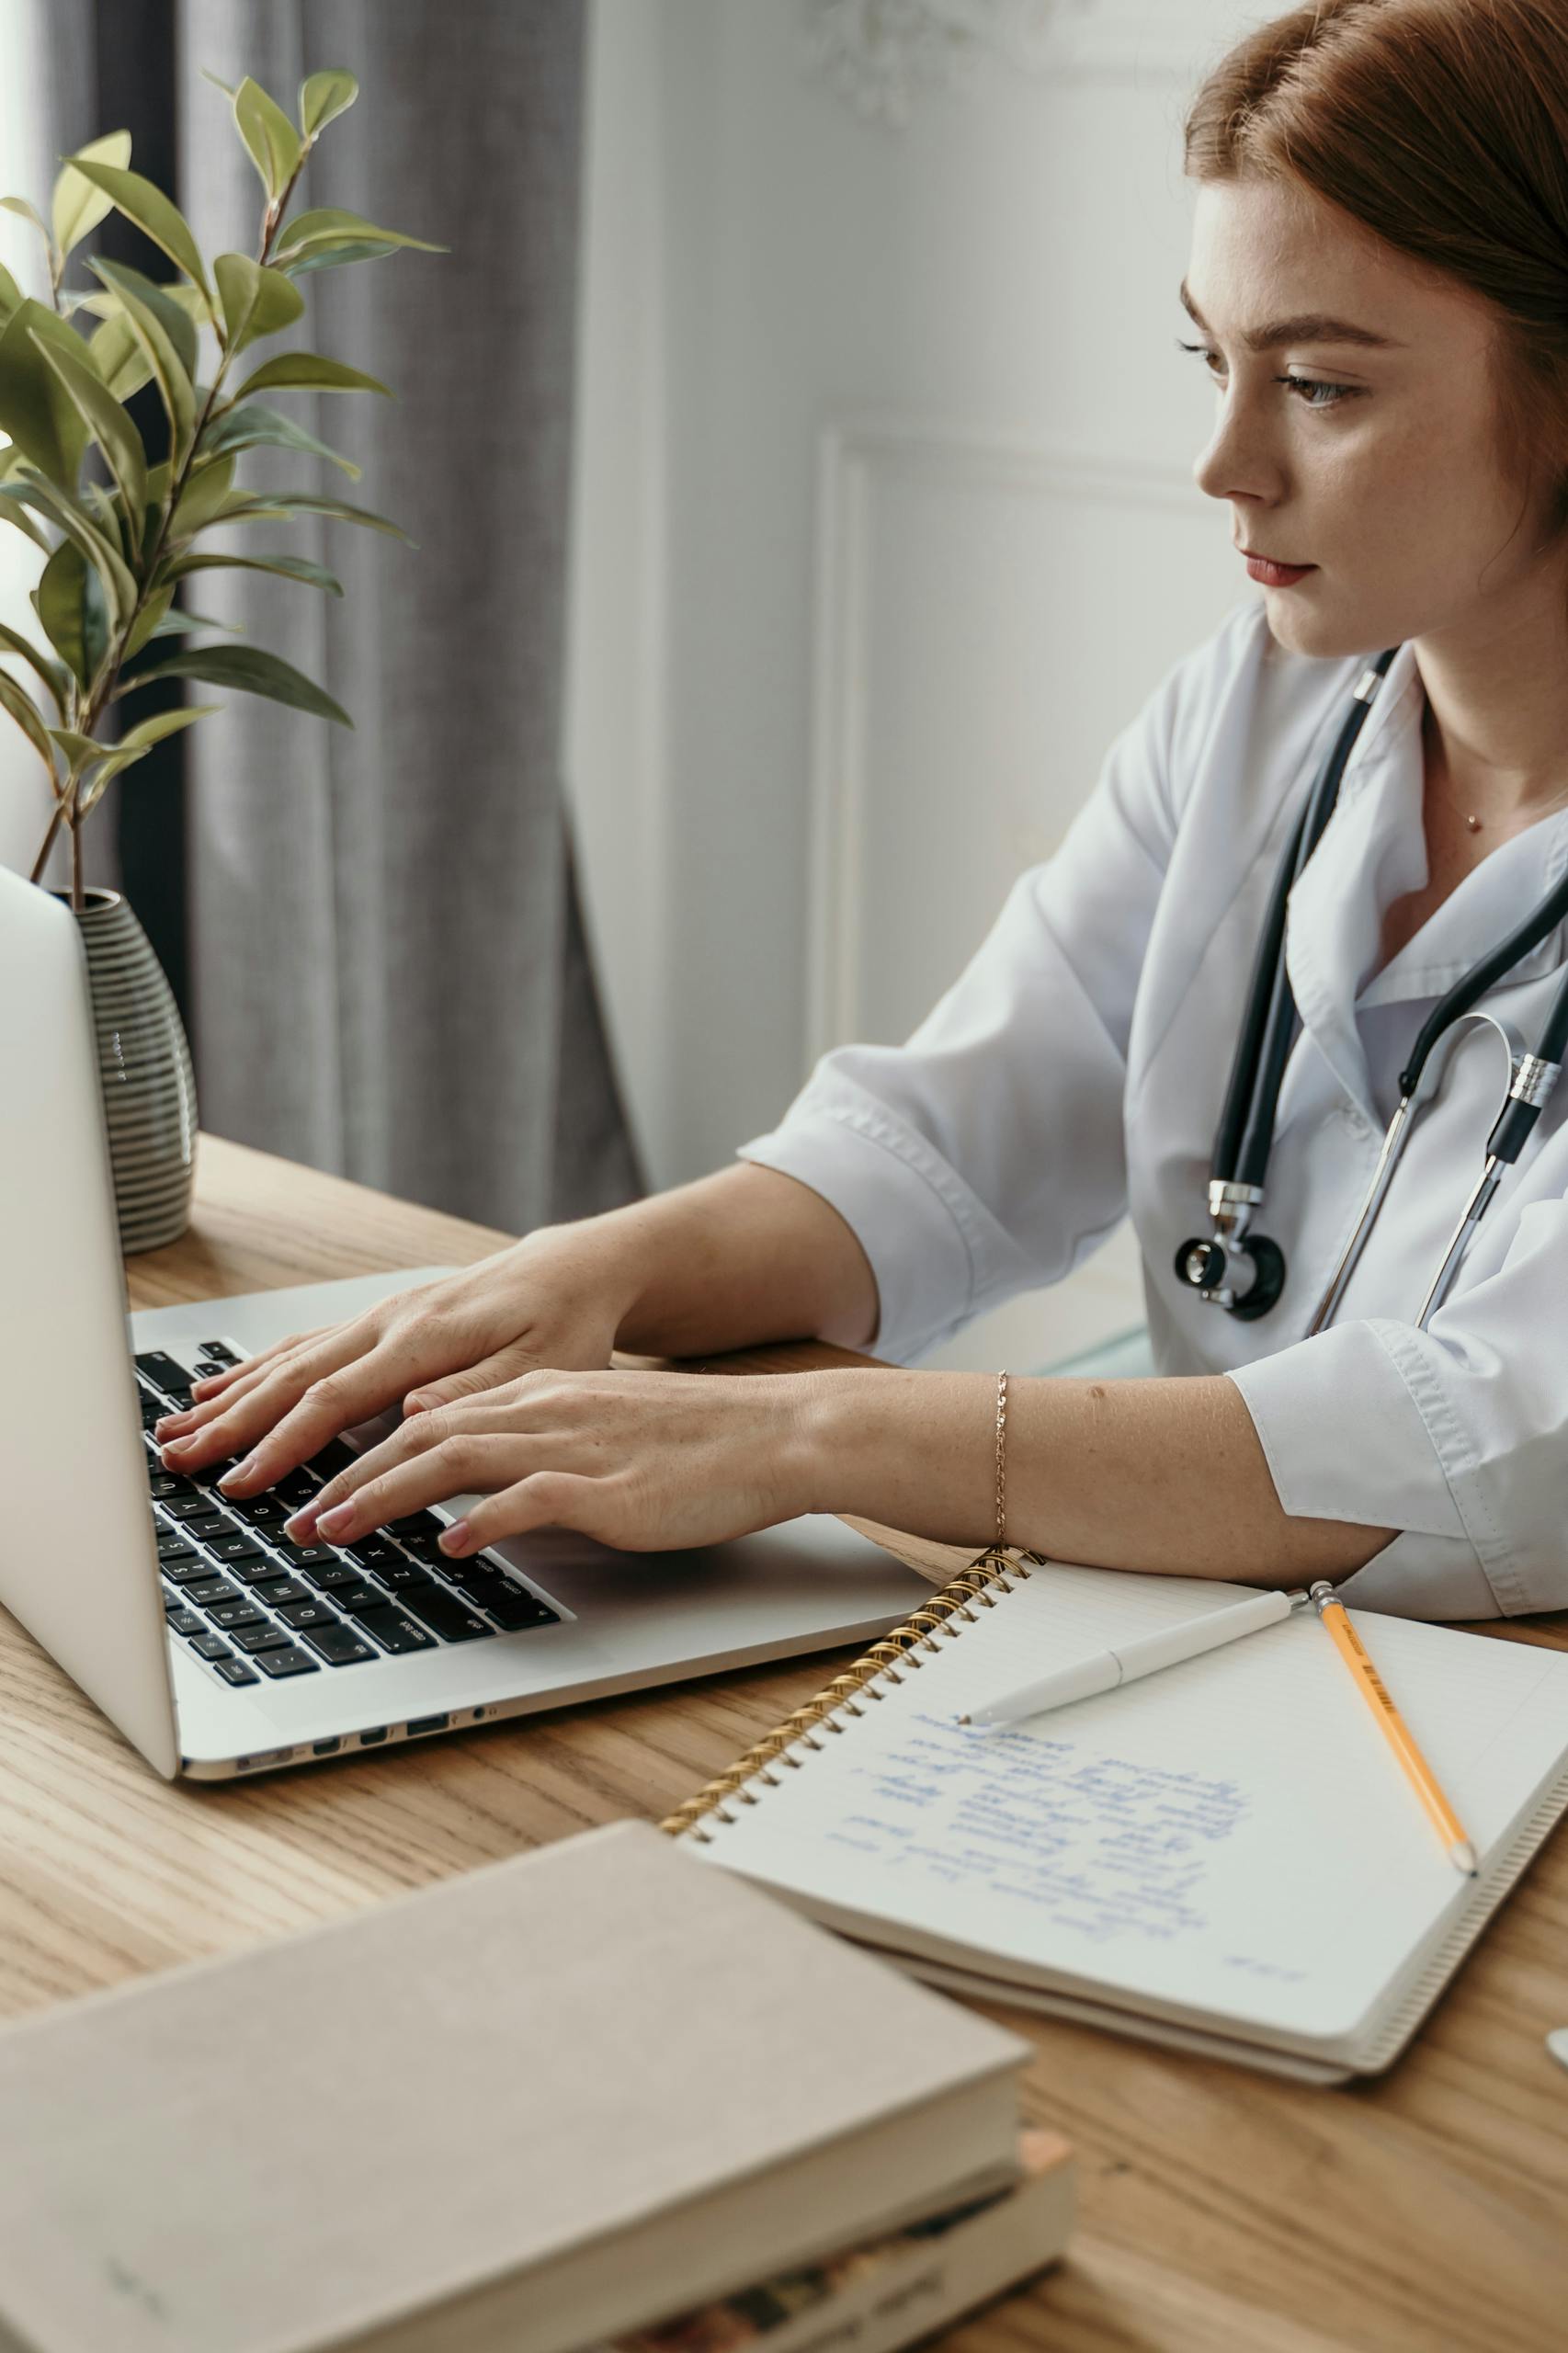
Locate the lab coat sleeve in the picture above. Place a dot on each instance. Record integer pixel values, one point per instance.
(1457, 1436)
(984, 1156)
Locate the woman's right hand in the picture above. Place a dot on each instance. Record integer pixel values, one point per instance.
(556, 1299)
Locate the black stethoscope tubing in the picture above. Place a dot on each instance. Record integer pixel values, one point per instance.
(1244, 1137)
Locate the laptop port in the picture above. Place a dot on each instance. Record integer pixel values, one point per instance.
(369, 1739)
(325, 1747)
(427, 1724)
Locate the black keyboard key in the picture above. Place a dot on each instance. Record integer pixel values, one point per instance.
(515, 1610)
(235, 1670)
(334, 1573)
(209, 1646)
(258, 1568)
(181, 1565)
(416, 1523)
(307, 1613)
(444, 1613)
(296, 1487)
(158, 1367)
(188, 1503)
(361, 1595)
(153, 1408)
(260, 1511)
(231, 1615)
(206, 1524)
(165, 1486)
(339, 1645)
(204, 1592)
(395, 1632)
(293, 1660)
(398, 1571)
(219, 1350)
(265, 1637)
(183, 1621)
(238, 1548)
(279, 1591)
(372, 1553)
(303, 1556)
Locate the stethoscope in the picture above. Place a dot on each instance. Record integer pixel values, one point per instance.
(1244, 1271)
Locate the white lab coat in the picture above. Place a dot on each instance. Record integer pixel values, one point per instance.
(1073, 1075)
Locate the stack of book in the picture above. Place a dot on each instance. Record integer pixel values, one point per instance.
(595, 2095)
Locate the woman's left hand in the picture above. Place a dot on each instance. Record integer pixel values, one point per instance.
(642, 1461)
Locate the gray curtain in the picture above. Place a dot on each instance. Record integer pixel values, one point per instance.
(389, 976)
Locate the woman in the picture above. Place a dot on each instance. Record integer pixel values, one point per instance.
(1379, 279)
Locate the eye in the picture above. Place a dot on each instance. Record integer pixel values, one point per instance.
(1304, 386)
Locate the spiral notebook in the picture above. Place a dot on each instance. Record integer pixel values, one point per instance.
(1225, 1856)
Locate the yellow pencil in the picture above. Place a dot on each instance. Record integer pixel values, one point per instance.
(1396, 1731)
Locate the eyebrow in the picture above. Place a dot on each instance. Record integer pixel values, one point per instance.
(1308, 326)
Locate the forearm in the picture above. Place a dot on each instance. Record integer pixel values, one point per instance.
(737, 1259)
(1164, 1475)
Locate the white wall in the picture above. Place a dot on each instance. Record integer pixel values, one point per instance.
(884, 525)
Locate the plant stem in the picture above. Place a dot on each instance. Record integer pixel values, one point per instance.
(42, 858)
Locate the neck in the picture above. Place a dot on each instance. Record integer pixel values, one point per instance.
(1495, 726)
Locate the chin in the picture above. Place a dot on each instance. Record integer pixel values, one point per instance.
(1320, 634)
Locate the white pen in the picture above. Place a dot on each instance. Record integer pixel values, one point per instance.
(1105, 1670)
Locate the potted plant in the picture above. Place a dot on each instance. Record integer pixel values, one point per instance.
(120, 526)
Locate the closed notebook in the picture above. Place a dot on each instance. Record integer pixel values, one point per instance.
(1224, 1855)
(534, 2107)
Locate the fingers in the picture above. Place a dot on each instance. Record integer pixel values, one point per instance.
(212, 1383)
(544, 1499)
(348, 1394)
(229, 1425)
(458, 1388)
(454, 1466)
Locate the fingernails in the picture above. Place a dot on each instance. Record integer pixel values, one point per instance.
(303, 1525)
(456, 1538)
(170, 1422)
(337, 1521)
(176, 1447)
(244, 1469)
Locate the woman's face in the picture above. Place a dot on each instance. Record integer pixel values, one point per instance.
(1382, 472)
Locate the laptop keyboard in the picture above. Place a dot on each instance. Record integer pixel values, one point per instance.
(248, 1603)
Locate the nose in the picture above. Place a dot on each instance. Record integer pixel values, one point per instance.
(1236, 461)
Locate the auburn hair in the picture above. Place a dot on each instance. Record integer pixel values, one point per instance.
(1441, 126)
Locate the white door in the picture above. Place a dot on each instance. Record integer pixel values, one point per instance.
(884, 515)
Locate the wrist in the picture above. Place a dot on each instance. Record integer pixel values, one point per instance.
(840, 1437)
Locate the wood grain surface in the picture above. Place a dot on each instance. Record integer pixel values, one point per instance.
(1221, 2212)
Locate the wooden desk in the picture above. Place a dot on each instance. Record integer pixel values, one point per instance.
(1221, 2212)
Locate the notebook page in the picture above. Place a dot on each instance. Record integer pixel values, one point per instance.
(1232, 1838)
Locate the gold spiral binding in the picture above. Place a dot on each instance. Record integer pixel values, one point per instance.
(992, 1570)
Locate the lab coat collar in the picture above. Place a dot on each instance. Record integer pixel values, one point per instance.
(1373, 851)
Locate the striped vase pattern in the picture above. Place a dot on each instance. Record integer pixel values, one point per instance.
(145, 1067)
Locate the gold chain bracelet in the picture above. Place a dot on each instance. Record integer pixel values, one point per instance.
(1001, 1462)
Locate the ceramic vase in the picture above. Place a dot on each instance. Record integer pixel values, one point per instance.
(145, 1070)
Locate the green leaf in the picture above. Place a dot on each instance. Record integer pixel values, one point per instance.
(308, 369)
(175, 307)
(175, 388)
(324, 96)
(105, 558)
(217, 81)
(154, 607)
(249, 670)
(89, 795)
(274, 505)
(79, 206)
(51, 673)
(270, 137)
(148, 731)
(180, 623)
(118, 358)
(11, 295)
(26, 211)
(24, 711)
(109, 427)
(334, 256)
(13, 512)
(255, 426)
(288, 567)
(255, 301)
(80, 750)
(35, 408)
(203, 494)
(70, 606)
(329, 225)
(150, 210)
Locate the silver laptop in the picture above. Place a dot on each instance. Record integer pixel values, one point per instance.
(215, 1647)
